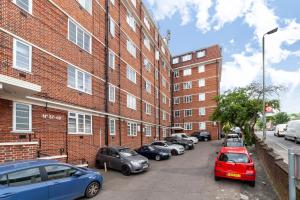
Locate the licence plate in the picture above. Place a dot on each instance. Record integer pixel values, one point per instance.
(145, 166)
(233, 175)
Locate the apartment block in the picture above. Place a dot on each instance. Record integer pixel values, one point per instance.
(196, 81)
(78, 75)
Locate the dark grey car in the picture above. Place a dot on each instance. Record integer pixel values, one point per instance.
(122, 159)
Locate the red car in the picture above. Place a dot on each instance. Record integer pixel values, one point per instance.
(235, 163)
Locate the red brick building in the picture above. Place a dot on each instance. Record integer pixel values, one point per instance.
(80, 74)
(196, 82)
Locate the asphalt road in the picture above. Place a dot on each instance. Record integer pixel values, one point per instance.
(279, 144)
(186, 177)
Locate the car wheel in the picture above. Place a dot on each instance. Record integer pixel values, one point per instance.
(174, 152)
(186, 147)
(205, 139)
(252, 183)
(285, 138)
(157, 157)
(126, 170)
(296, 141)
(92, 190)
(217, 178)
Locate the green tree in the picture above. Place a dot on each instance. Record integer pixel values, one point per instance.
(242, 107)
(281, 118)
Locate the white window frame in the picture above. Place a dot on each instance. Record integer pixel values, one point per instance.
(85, 88)
(187, 99)
(131, 48)
(187, 72)
(202, 97)
(148, 131)
(156, 74)
(164, 132)
(201, 54)
(15, 118)
(176, 73)
(131, 102)
(147, 42)
(15, 41)
(132, 129)
(164, 115)
(148, 86)
(111, 59)
(112, 129)
(84, 5)
(112, 1)
(202, 126)
(131, 74)
(188, 112)
(148, 109)
(176, 87)
(164, 98)
(147, 65)
(201, 68)
(175, 60)
(163, 81)
(112, 27)
(77, 124)
(176, 113)
(111, 93)
(188, 126)
(83, 34)
(29, 6)
(133, 3)
(131, 21)
(201, 82)
(176, 100)
(157, 55)
(187, 85)
(146, 22)
(202, 111)
(186, 57)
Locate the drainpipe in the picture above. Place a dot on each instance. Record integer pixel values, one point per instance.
(159, 80)
(119, 75)
(141, 72)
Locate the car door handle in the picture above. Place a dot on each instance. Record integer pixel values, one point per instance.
(6, 195)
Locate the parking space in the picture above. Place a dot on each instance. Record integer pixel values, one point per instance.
(187, 177)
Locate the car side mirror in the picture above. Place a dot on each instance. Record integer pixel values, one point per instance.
(217, 152)
(78, 173)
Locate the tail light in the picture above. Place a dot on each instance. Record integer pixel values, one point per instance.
(250, 167)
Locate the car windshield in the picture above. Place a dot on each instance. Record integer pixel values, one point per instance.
(151, 148)
(184, 136)
(168, 143)
(234, 144)
(234, 157)
(232, 136)
(127, 152)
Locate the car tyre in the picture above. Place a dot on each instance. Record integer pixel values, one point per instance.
(157, 157)
(186, 147)
(217, 178)
(174, 152)
(205, 139)
(296, 141)
(252, 183)
(92, 189)
(126, 170)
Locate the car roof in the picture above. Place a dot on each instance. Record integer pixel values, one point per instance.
(24, 164)
(234, 150)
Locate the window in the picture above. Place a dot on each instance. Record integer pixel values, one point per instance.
(112, 1)
(132, 129)
(201, 111)
(156, 55)
(112, 29)
(147, 64)
(86, 4)
(79, 123)
(188, 126)
(186, 57)
(111, 60)
(55, 172)
(148, 86)
(22, 57)
(163, 49)
(112, 126)
(131, 48)
(130, 21)
(147, 130)
(157, 132)
(147, 42)
(22, 117)
(156, 35)
(163, 81)
(157, 113)
(131, 74)
(175, 60)
(187, 72)
(146, 21)
(112, 93)
(202, 126)
(156, 74)
(24, 177)
(24, 4)
(164, 115)
(176, 87)
(131, 102)
(176, 113)
(148, 109)
(164, 98)
(201, 54)
(157, 93)
(176, 100)
(201, 82)
(187, 99)
(133, 2)
(3, 180)
(201, 69)
(79, 80)
(78, 36)
(202, 97)
(188, 113)
(187, 85)
(176, 73)
(164, 132)
(163, 64)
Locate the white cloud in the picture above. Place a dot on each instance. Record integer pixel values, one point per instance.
(231, 41)
(290, 79)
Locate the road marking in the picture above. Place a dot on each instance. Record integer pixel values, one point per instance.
(282, 146)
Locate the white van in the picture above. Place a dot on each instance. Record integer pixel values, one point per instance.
(293, 131)
(280, 130)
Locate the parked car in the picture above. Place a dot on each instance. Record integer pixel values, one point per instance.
(293, 131)
(122, 159)
(280, 130)
(47, 179)
(174, 148)
(154, 152)
(231, 136)
(185, 136)
(187, 144)
(235, 163)
(234, 142)
(202, 135)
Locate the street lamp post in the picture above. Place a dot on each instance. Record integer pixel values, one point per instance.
(264, 100)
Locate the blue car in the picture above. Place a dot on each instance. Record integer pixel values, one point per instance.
(47, 180)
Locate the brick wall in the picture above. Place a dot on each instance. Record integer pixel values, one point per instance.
(14, 152)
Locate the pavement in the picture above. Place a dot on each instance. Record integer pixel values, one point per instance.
(279, 144)
(186, 177)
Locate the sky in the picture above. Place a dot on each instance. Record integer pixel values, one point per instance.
(238, 26)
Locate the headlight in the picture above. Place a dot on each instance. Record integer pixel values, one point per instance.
(98, 173)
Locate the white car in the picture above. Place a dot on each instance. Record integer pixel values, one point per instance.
(175, 149)
(280, 130)
(293, 131)
(185, 136)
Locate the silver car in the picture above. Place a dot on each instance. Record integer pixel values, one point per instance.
(122, 159)
(175, 149)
